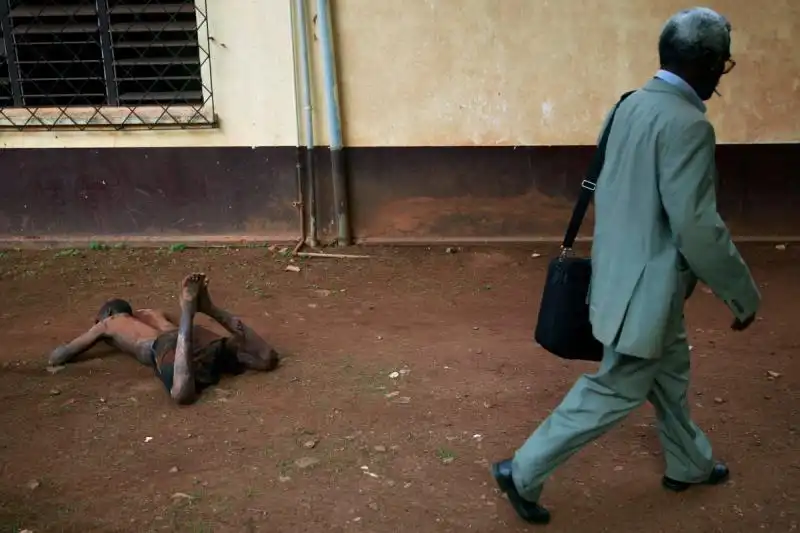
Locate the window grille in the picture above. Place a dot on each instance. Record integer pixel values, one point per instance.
(104, 63)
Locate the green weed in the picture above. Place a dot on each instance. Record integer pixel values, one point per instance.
(68, 252)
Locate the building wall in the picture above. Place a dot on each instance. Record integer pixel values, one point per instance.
(464, 120)
(522, 73)
(472, 120)
(237, 180)
(252, 75)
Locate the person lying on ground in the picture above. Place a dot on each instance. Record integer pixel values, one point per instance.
(187, 358)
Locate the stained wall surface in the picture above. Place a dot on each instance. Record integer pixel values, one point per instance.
(518, 72)
(463, 119)
(471, 72)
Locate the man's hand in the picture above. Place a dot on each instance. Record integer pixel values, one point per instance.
(59, 356)
(739, 325)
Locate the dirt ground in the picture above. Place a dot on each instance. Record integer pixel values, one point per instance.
(333, 440)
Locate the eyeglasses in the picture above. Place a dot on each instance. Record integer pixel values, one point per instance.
(729, 64)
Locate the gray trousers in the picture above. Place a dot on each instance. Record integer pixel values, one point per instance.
(598, 401)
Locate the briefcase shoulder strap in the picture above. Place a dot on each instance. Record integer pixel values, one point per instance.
(590, 183)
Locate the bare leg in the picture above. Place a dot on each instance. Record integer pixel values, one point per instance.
(253, 351)
(183, 389)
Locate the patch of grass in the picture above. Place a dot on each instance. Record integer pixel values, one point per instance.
(284, 466)
(69, 252)
(65, 511)
(183, 517)
(3, 254)
(446, 455)
(11, 525)
(254, 286)
(98, 246)
(198, 526)
(177, 247)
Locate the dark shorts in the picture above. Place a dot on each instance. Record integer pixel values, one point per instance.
(210, 361)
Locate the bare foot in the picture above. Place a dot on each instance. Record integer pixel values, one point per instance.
(191, 287)
(204, 303)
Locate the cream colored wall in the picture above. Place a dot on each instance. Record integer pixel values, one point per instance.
(470, 72)
(252, 81)
(525, 72)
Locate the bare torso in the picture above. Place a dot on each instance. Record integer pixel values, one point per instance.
(134, 334)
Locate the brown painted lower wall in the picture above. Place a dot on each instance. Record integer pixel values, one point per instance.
(396, 194)
(148, 192)
(527, 193)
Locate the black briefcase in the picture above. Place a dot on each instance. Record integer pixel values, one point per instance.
(563, 326)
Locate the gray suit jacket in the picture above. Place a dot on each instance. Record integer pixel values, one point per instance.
(657, 229)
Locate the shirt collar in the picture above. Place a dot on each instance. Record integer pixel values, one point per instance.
(680, 83)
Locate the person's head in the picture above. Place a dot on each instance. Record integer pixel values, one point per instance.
(113, 307)
(695, 44)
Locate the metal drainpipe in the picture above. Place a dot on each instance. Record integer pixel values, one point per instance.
(340, 191)
(298, 162)
(305, 116)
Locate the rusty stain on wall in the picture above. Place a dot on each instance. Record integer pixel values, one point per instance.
(418, 194)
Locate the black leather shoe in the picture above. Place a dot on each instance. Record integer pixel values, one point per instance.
(719, 474)
(528, 511)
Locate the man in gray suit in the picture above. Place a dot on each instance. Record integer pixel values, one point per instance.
(657, 231)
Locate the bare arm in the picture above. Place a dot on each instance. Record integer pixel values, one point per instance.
(66, 352)
(687, 184)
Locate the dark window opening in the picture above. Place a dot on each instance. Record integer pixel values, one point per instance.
(97, 53)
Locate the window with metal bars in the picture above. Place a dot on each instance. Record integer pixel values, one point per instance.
(110, 62)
